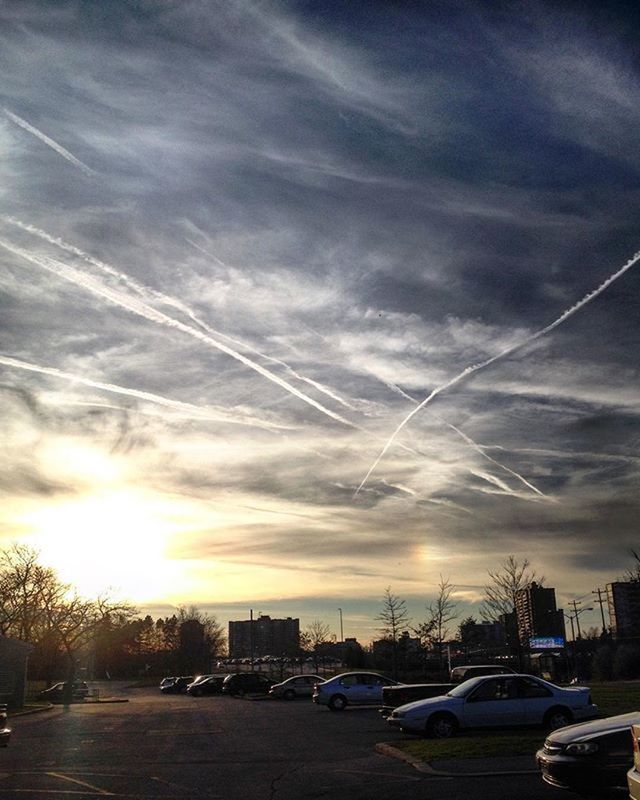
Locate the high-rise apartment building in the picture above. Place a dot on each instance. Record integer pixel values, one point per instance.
(623, 598)
(263, 637)
(536, 613)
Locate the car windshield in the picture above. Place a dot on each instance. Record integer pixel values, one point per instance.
(463, 689)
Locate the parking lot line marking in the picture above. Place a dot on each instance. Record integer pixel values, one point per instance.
(96, 789)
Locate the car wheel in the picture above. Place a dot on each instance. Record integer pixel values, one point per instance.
(442, 726)
(338, 702)
(557, 718)
(289, 695)
(197, 693)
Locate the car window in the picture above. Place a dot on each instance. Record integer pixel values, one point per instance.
(350, 680)
(528, 687)
(497, 689)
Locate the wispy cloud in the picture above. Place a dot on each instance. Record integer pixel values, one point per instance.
(210, 414)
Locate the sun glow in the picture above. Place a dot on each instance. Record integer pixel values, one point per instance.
(113, 542)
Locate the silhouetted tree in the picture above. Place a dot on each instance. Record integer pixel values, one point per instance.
(505, 583)
(395, 620)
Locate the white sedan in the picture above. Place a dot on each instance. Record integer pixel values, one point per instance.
(496, 701)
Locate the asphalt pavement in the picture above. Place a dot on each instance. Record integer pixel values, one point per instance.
(158, 746)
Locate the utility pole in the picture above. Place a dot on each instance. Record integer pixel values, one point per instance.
(601, 603)
(576, 612)
(341, 630)
(251, 636)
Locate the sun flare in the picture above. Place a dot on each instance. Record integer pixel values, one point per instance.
(107, 542)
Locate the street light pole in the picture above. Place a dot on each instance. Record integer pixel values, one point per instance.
(341, 630)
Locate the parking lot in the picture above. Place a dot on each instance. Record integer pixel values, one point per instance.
(157, 746)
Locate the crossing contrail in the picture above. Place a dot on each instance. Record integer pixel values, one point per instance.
(478, 448)
(148, 293)
(142, 309)
(508, 351)
(206, 413)
(22, 123)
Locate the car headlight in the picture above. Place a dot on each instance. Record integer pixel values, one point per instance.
(581, 748)
(397, 714)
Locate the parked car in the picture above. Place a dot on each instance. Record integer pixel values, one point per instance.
(589, 757)
(459, 674)
(209, 684)
(177, 685)
(241, 683)
(633, 776)
(297, 686)
(55, 693)
(5, 732)
(167, 681)
(496, 701)
(351, 688)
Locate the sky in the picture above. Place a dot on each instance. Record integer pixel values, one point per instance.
(300, 301)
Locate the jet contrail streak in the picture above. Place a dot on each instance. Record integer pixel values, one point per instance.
(199, 412)
(478, 448)
(22, 123)
(142, 309)
(509, 351)
(146, 292)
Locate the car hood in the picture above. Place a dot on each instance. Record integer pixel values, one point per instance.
(416, 705)
(595, 727)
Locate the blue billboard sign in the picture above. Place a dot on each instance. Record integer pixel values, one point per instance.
(546, 642)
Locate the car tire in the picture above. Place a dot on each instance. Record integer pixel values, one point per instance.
(338, 702)
(197, 693)
(557, 718)
(289, 695)
(442, 726)
(240, 692)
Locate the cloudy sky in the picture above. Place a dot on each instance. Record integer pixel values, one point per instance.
(240, 242)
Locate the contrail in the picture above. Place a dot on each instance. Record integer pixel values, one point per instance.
(478, 448)
(142, 309)
(199, 412)
(22, 123)
(509, 350)
(145, 292)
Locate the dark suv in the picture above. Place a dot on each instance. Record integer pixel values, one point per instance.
(241, 683)
(459, 674)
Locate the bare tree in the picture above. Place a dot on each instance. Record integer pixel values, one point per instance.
(435, 630)
(316, 635)
(395, 620)
(505, 583)
(73, 621)
(25, 586)
(633, 573)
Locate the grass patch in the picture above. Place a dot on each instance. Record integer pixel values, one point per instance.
(474, 745)
(616, 698)
(611, 698)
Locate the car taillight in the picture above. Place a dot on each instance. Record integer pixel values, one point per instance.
(635, 731)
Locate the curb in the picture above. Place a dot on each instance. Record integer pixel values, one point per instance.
(424, 766)
(29, 711)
